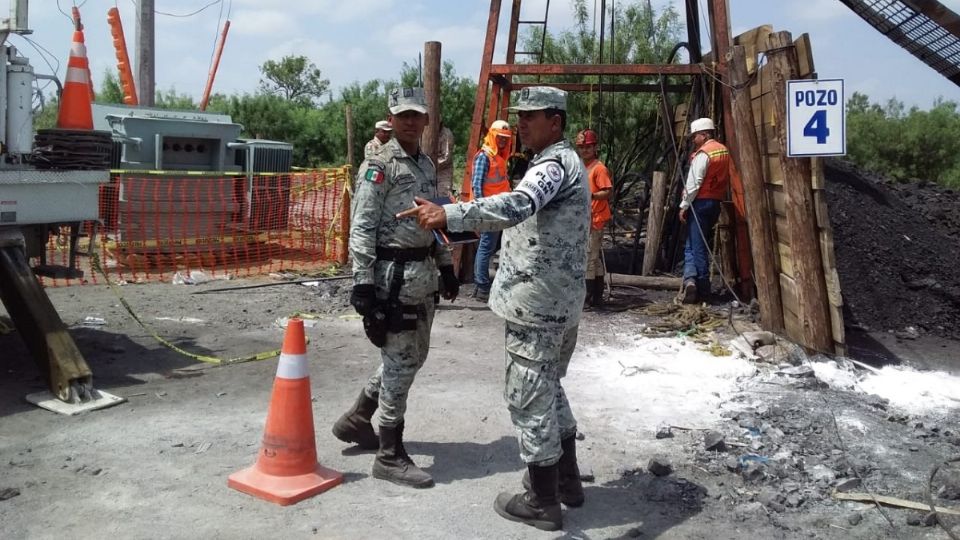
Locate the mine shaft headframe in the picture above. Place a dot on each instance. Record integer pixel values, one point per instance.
(496, 80)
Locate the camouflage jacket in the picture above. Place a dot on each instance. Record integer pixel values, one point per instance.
(386, 183)
(544, 246)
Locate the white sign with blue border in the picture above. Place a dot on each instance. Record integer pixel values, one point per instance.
(816, 120)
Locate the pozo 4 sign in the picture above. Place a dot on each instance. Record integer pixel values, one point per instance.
(816, 121)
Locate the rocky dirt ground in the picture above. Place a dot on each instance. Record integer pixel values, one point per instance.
(676, 442)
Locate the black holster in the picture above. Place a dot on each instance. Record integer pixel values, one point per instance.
(393, 316)
(375, 326)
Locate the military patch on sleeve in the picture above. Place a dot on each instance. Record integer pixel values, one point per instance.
(374, 174)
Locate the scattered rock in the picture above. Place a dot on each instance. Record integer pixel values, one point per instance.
(855, 518)
(753, 471)
(732, 464)
(635, 532)
(849, 484)
(714, 440)
(587, 478)
(950, 492)
(913, 520)
(929, 520)
(798, 371)
(660, 466)
(8, 493)
(909, 332)
(581, 436)
(664, 432)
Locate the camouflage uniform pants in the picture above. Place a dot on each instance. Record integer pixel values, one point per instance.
(536, 360)
(401, 357)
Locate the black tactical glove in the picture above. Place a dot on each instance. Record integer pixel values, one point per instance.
(450, 285)
(364, 299)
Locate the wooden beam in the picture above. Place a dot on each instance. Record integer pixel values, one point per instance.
(668, 283)
(758, 215)
(801, 215)
(658, 202)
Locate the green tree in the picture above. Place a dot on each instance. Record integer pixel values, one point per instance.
(294, 78)
(110, 90)
(905, 144)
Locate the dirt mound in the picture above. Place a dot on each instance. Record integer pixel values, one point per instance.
(897, 249)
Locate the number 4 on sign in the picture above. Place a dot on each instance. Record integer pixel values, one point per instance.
(817, 127)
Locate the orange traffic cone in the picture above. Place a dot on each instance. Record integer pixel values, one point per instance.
(287, 471)
(75, 112)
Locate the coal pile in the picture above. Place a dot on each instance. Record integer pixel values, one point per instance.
(898, 252)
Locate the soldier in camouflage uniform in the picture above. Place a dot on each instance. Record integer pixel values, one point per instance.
(395, 265)
(539, 291)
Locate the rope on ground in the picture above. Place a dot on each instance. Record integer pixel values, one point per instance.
(933, 508)
(687, 320)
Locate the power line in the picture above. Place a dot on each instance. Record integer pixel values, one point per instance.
(192, 13)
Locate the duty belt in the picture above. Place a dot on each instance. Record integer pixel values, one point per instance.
(402, 255)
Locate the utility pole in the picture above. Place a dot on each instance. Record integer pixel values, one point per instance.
(145, 52)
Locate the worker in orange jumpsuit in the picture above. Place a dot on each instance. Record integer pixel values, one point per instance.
(601, 187)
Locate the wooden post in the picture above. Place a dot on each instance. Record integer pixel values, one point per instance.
(658, 202)
(759, 218)
(431, 88)
(801, 216)
(349, 120)
(145, 52)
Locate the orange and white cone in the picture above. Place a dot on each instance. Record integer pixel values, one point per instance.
(75, 111)
(287, 470)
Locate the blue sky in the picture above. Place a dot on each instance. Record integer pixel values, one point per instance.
(357, 40)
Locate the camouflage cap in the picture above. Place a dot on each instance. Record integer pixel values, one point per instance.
(538, 98)
(407, 99)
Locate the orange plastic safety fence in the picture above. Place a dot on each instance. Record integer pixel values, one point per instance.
(154, 226)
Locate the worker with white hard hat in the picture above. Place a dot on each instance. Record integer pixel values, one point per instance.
(706, 187)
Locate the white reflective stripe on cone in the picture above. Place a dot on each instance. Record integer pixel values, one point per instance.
(76, 75)
(78, 49)
(293, 366)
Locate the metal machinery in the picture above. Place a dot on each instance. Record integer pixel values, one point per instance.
(165, 143)
(32, 201)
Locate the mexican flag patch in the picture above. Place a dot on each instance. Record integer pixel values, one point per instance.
(375, 175)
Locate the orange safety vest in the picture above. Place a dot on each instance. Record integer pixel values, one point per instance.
(497, 180)
(717, 179)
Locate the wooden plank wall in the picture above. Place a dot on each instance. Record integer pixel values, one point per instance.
(761, 94)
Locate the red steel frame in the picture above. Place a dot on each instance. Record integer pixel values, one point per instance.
(495, 84)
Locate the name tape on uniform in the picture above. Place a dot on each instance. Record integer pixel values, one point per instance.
(542, 182)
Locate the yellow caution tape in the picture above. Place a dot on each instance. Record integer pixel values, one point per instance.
(181, 242)
(95, 263)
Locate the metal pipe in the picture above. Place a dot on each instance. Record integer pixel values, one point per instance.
(53, 78)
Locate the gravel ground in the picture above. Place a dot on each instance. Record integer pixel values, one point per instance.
(156, 466)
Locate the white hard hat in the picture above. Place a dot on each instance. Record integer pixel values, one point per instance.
(500, 124)
(701, 124)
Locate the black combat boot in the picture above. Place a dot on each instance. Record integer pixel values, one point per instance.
(393, 463)
(597, 296)
(539, 505)
(569, 485)
(355, 427)
(588, 300)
